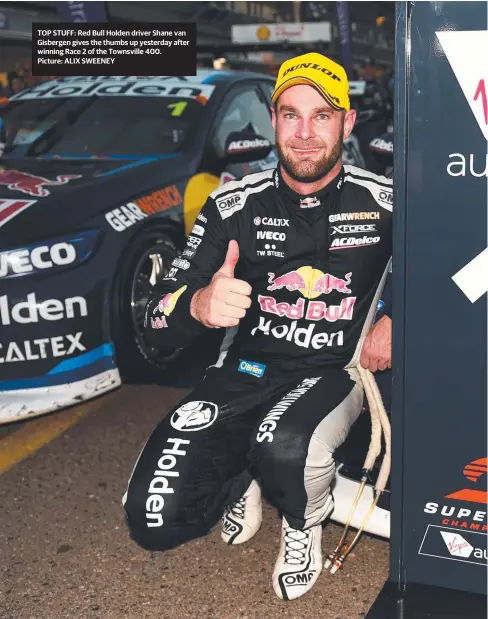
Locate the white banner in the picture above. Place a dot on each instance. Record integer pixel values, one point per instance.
(275, 33)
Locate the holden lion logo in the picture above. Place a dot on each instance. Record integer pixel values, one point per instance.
(194, 416)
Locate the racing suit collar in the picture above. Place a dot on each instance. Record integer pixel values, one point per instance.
(328, 196)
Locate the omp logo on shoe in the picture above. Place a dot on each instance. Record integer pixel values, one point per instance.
(298, 579)
(194, 416)
(228, 527)
(229, 202)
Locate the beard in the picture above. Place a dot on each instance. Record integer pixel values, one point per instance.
(309, 171)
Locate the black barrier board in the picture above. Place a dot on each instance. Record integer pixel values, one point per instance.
(106, 49)
(440, 317)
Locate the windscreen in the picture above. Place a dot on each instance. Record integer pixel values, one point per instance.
(149, 120)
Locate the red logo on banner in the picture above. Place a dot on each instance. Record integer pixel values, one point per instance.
(481, 93)
(472, 471)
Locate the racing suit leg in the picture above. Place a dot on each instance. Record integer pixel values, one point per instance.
(295, 441)
(195, 461)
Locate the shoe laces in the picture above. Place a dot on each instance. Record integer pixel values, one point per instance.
(238, 507)
(296, 543)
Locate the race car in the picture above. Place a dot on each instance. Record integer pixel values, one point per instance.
(101, 182)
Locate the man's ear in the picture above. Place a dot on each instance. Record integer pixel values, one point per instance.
(273, 116)
(349, 121)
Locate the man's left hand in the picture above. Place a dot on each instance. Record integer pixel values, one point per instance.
(376, 353)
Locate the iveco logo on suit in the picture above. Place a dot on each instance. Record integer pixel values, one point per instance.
(22, 261)
(271, 236)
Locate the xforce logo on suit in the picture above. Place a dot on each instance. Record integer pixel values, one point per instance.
(353, 229)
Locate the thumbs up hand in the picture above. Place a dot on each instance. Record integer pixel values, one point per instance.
(223, 303)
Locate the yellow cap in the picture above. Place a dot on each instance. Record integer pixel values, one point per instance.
(318, 71)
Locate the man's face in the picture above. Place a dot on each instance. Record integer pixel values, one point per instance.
(309, 133)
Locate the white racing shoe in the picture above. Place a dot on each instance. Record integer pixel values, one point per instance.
(299, 561)
(242, 519)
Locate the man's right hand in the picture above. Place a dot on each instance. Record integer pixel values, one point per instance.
(223, 303)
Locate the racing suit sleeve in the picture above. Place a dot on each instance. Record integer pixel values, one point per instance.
(168, 323)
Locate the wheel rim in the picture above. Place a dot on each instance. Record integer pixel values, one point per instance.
(151, 268)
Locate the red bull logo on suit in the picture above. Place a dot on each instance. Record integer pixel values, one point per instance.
(309, 282)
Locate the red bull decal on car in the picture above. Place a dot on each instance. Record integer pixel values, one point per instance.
(31, 183)
(10, 208)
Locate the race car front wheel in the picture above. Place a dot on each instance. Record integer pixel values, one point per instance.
(147, 260)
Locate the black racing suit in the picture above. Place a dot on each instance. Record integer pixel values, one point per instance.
(284, 392)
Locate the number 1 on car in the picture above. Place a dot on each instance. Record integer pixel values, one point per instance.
(177, 108)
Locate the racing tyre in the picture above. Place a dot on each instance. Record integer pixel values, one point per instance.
(147, 261)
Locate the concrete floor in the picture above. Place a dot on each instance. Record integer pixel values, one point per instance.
(66, 554)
